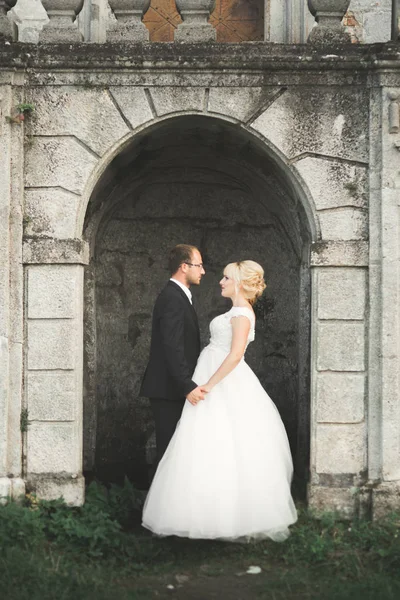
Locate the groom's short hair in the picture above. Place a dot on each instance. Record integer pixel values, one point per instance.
(182, 253)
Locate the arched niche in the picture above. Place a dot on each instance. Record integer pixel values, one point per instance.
(205, 181)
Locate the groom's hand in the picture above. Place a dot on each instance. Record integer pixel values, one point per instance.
(195, 396)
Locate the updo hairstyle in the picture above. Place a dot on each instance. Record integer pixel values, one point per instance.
(250, 276)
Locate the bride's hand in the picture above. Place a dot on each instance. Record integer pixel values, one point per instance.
(206, 388)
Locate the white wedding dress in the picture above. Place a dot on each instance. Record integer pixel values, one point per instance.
(227, 471)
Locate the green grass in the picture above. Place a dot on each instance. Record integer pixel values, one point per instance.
(49, 551)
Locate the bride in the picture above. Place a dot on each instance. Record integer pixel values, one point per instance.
(227, 471)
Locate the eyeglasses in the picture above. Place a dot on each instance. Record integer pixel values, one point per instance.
(199, 266)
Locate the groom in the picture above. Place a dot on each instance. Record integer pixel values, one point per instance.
(175, 346)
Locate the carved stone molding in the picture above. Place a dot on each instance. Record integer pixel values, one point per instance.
(62, 26)
(329, 15)
(129, 26)
(394, 112)
(195, 26)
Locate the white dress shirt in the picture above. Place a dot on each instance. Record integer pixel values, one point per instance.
(184, 288)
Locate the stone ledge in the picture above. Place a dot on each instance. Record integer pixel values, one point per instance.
(55, 251)
(246, 55)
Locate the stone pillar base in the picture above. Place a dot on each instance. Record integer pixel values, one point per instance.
(52, 34)
(129, 32)
(345, 501)
(187, 32)
(385, 498)
(327, 36)
(71, 489)
(11, 489)
(371, 500)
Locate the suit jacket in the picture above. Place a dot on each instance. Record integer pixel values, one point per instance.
(175, 346)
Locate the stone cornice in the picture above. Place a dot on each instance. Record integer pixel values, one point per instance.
(251, 56)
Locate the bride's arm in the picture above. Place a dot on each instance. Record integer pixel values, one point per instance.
(240, 332)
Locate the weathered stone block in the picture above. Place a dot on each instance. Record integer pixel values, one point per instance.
(17, 488)
(132, 102)
(377, 24)
(52, 345)
(340, 397)
(52, 291)
(333, 499)
(339, 254)
(176, 99)
(51, 212)
(340, 448)
(341, 293)
(4, 298)
(239, 103)
(70, 488)
(53, 448)
(344, 224)
(340, 346)
(328, 121)
(54, 251)
(346, 182)
(58, 162)
(88, 114)
(385, 499)
(13, 421)
(51, 396)
(5, 490)
(4, 403)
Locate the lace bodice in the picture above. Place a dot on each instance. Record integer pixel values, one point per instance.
(221, 328)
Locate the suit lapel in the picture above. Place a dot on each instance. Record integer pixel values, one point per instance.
(191, 307)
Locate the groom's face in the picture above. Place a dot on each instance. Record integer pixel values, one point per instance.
(195, 270)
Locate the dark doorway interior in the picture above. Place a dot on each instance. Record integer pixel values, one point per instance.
(201, 181)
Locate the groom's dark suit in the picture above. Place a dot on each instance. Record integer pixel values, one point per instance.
(174, 350)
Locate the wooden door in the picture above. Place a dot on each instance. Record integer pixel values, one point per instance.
(234, 20)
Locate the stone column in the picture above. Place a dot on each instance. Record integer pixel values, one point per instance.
(384, 353)
(62, 26)
(11, 296)
(129, 26)
(195, 28)
(338, 373)
(329, 15)
(54, 367)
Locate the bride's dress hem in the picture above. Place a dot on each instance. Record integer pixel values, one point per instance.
(276, 535)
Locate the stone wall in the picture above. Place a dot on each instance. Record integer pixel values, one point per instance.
(311, 133)
(369, 22)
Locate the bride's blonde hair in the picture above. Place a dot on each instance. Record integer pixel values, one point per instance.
(248, 274)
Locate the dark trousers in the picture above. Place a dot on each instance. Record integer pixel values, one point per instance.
(166, 416)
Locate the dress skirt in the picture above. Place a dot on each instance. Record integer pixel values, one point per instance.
(227, 471)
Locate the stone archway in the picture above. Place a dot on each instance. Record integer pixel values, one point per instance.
(320, 168)
(204, 181)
